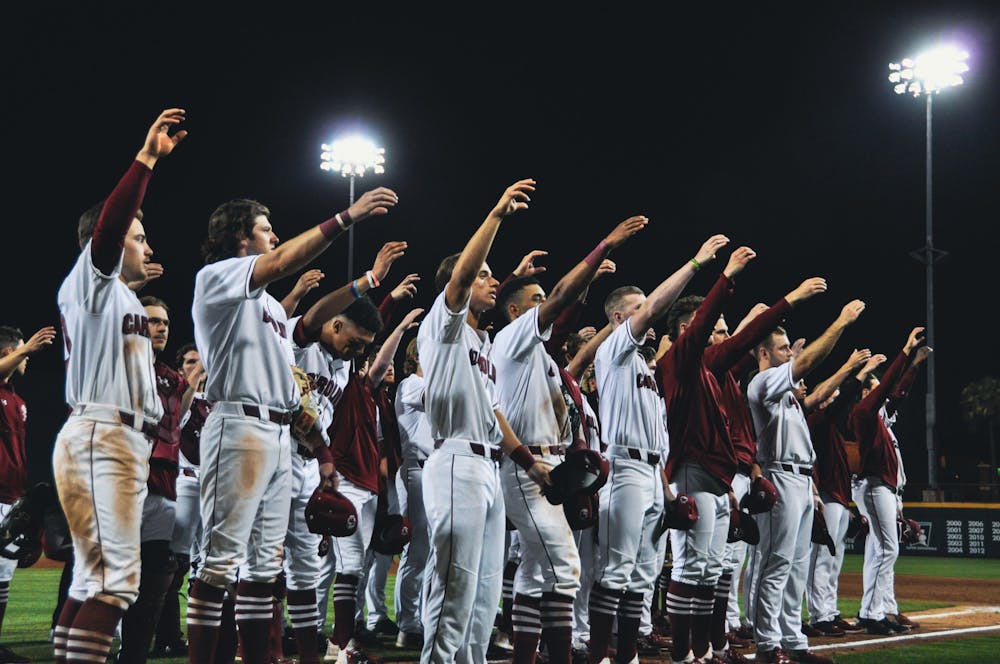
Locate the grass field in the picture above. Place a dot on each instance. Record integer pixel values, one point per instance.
(33, 595)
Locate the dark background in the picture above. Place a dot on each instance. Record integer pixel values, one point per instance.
(775, 125)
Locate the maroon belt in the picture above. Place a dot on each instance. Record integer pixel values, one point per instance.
(556, 450)
(491, 453)
(273, 415)
(129, 420)
(187, 472)
(652, 458)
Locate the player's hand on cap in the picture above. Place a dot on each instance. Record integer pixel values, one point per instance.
(539, 473)
(527, 267)
(739, 260)
(625, 230)
(406, 288)
(514, 199)
(386, 256)
(40, 339)
(373, 203)
(709, 249)
(808, 288)
(851, 311)
(159, 143)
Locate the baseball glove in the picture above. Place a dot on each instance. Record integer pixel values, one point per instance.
(857, 526)
(307, 413)
(910, 532)
(679, 514)
(761, 498)
(742, 527)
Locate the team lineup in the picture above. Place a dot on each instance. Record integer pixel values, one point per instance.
(554, 491)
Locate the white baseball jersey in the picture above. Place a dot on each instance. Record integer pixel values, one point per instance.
(461, 380)
(591, 427)
(243, 337)
(414, 429)
(529, 387)
(328, 376)
(630, 406)
(109, 357)
(782, 432)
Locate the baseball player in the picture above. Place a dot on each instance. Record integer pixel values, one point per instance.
(833, 480)
(632, 421)
(187, 514)
(325, 348)
(243, 336)
(462, 496)
(529, 388)
(726, 358)
(877, 488)
(417, 445)
(159, 562)
(701, 463)
(14, 353)
(786, 457)
(101, 455)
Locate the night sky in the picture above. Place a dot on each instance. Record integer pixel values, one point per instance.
(775, 126)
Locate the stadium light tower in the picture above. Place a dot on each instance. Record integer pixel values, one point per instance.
(925, 76)
(351, 156)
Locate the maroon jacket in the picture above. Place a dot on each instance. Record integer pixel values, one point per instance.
(831, 471)
(728, 360)
(191, 433)
(171, 386)
(13, 459)
(353, 436)
(696, 420)
(878, 455)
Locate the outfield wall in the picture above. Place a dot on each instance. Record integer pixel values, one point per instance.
(969, 530)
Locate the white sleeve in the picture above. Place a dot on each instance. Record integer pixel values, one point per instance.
(443, 324)
(617, 349)
(769, 385)
(411, 393)
(518, 338)
(227, 281)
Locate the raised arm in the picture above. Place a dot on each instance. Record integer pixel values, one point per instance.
(570, 287)
(308, 281)
(291, 256)
(12, 357)
(376, 372)
(814, 354)
(825, 389)
(471, 260)
(333, 303)
(123, 204)
(657, 302)
(585, 356)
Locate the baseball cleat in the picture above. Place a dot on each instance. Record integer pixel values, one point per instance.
(903, 620)
(828, 628)
(410, 640)
(735, 641)
(806, 656)
(810, 630)
(386, 627)
(776, 656)
(847, 626)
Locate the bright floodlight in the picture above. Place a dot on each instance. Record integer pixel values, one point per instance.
(929, 72)
(352, 156)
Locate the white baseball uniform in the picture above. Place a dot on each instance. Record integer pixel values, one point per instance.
(417, 445)
(243, 338)
(462, 495)
(781, 560)
(101, 456)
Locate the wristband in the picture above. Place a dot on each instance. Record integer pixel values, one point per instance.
(372, 279)
(354, 290)
(695, 264)
(344, 219)
(523, 457)
(323, 455)
(595, 257)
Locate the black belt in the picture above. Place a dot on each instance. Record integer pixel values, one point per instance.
(801, 470)
(491, 453)
(540, 450)
(275, 416)
(652, 458)
(129, 420)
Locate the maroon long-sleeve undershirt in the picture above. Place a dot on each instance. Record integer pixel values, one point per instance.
(878, 456)
(696, 419)
(116, 217)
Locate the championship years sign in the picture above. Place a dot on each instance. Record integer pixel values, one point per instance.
(970, 530)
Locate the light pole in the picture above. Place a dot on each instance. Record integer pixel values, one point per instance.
(351, 156)
(924, 76)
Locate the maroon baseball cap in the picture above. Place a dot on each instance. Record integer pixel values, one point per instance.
(762, 497)
(820, 533)
(581, 511)
(329, 512)
(392, 532)
(743, 527)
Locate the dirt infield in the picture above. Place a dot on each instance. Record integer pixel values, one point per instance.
(932, 588)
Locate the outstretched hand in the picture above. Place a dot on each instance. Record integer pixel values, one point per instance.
(805, 290)
(607, 266)
(739, 260)
(387, 255)
(410, 319)
(797, 346)
(922, 354)
(872, 363)
(153, 271)
(373, 203)
(851, 311)
(915, 339)
(857, 358)
(40, 339)
(711, 246)
(159, 143)
(406, 288)
(308, 281)
(527, 267)
(625, 230)
(514, 198)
